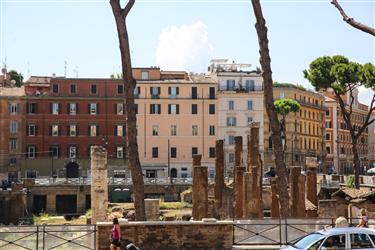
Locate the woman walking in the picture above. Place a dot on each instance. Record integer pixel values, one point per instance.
(115, 235)
(363, 221)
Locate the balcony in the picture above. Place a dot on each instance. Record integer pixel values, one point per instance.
(241, 89)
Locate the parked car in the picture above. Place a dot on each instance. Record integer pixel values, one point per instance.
(371, 171)
(336, 238)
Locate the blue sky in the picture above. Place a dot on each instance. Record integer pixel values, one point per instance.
(38, 36)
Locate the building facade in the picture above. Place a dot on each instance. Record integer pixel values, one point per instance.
(337, 137)
(240, 103)
(304, 129)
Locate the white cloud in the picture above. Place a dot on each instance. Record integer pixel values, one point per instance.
(365, 95)
(184, 48)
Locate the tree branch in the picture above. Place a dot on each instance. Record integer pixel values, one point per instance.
(351, 20)
(128, 7)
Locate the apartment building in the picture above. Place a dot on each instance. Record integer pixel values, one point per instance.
(337, 136)
(240, 103)
(304, 129)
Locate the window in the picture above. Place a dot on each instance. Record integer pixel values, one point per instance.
(55, 88)
(250, 119)
(73, 88)
(211, 152)
(73, 130)
(231, 157)
(231, 121)
(55, 108)
(93, 130)
(328, 149)
(31, 174)
(93, 108)
(155, 108)
(72, 152)
(12, 144)
(12, 161)
(72, 108)
(119, 108)
(249, 85)
(173, 152)
(31, 152)
(120, 89)
(231, 84)
(194, 151)
(155, 152)
(211, 109)
(155, 92)
(173, 109)
(13, 108)
(55, 130)
(31, 130)
(55, 152)
(327, 136)
(184, 173)
(32, 108)
(173, 92)
(144, 75)
(249, 105)
(211, 130)
(93, 88)
(194, 93)
(173, 130)
(211, 93)
(155, 130)
(334, 242)
(360, 241)
(152, 173)
(282, 95)
(194, 109)
(194, 130)
(231, 105)
(231, 139)
(120, 152)
(13, 127)
(137, 92)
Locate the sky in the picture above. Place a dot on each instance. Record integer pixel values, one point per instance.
(40, 37)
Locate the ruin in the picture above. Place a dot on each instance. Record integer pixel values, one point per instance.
(297, 192)
(200, 190)
(99, 185)
(311, 180)
(219, 175)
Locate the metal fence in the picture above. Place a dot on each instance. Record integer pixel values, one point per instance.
(280, 231)
(48, 237)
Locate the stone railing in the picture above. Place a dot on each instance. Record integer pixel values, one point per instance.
(205, 234)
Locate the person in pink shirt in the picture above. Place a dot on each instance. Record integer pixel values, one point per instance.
(363, 221)
(115, 235)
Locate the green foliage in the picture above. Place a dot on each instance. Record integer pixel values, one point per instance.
(40, 219)
(338, 72)
(116, 76)
(350, 181)
(285, 106)
(288, 85)
(18, 77)
(175, 205)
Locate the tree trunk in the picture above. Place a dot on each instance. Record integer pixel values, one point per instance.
(356, 163)
(131, 118)
(265, 61)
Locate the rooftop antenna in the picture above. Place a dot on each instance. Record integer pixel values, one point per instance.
(65, 68)
(28, 69)
(76, 71)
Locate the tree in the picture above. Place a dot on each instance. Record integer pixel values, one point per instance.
(120, 15)
(343, 77)
(265, 62)
(284, 107)
(116, 76)
(18, 77)
(351, 20)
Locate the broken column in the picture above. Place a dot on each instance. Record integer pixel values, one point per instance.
(297, 192)
(238, 151)
(99, 185)
(219, 174)
(152, 207)
(253, 178)
(197, 160)
(200, 192)
(275, 206)
(311, 180)
(239, 192)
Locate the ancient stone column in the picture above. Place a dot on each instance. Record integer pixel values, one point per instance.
(253, 200)
(99, 185)
(311, 185)
(239, 192)
(238, 147)
(297, 192)
(152, 207)
(301, 209)
(200, 192)
(253, 156)
(219, 173)
(275, 207)
(197, 160)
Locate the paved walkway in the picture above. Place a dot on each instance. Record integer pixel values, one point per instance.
(254, 247)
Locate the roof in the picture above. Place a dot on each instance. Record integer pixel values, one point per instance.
(310, 206)
(38, 80)
(354, 193)
(12, 91)
(343, 230)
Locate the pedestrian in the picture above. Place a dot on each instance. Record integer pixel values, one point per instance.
(363, 221)
(115, 235)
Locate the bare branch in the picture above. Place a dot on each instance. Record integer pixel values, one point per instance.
(128, 7)
(351, 20)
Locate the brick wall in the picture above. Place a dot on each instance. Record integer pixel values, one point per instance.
(171, 235)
